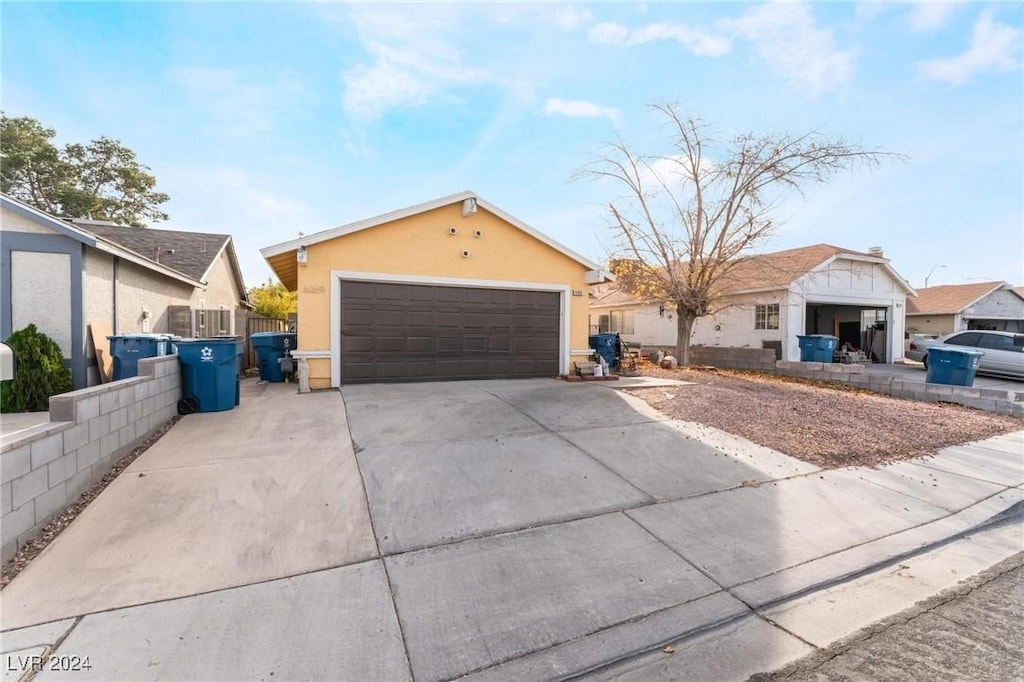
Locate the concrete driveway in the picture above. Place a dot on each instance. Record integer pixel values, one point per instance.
(509, 530)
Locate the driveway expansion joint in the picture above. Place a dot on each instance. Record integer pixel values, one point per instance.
(356, 449)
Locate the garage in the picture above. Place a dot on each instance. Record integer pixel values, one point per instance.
(392, 332)
(452, 288)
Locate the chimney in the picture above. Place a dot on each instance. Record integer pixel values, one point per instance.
(876, 251)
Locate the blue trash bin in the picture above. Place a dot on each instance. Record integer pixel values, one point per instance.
(952, 366)
(270, 347)
(127, 349)
(210, 371)
(605, 346)
(817, 347)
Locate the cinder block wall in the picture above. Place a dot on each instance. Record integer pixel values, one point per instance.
(762, 359)
(43, 469)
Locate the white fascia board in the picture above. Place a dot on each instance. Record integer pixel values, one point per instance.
(332, 233)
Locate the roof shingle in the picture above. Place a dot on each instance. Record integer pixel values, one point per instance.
(949, 299)
(190, 253)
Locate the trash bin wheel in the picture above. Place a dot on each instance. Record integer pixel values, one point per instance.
(189, 405)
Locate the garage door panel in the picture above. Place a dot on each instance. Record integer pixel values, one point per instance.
(450, 320)
(474, 344)
(420, 318)
(420, 344)
(356, 318)
(391, 318)
(451, 344)
(409, 332)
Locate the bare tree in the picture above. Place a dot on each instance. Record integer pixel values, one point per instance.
(687, 219)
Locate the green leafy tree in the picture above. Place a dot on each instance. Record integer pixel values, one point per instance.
(101, 180)
(685, 219)
(273, 300)
(39, 372)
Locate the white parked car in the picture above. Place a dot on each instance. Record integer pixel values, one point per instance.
(1003, 351)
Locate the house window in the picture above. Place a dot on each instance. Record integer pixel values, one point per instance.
(766, 316)
(620, 321)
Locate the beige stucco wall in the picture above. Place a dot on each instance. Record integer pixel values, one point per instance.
(221, 290)
(9, 220)
(420, 245)
(139, 289)
(932, 324)
(43, 283)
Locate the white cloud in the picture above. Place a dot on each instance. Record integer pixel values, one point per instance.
(580, 109)
(570, 18)
(235, 107)
(414, 58)
(786, 36)
(931, 16)
(609, 33)
(698, 42)
(994, 47)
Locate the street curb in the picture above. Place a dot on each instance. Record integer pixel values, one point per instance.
(810, 663)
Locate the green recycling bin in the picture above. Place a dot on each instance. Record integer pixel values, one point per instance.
(210, 374)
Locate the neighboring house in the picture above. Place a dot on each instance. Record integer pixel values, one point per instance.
(65, 277)
(772, 298)
(957, 307)
(454, 288)
(650, 323)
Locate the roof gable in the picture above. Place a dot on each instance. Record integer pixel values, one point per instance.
(190, 253)
(89, 238)
(950, 299)
(771, 271)
(325, 235)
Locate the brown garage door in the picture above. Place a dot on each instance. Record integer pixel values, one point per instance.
(412, 332)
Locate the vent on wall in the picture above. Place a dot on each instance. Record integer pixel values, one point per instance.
(469, 207)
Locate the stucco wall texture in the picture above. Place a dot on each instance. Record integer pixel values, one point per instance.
(421, 245)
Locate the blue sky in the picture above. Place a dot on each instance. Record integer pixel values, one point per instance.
(264, 119)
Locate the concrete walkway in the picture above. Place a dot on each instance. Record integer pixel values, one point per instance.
(510, 529)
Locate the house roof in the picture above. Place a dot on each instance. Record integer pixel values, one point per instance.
(773, 271)
(90, 239)
(286, 271)
(951, 299)
(191, 253)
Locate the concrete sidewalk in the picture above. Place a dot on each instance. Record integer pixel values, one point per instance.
(509, 529)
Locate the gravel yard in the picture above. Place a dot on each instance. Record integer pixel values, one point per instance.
(828, 425)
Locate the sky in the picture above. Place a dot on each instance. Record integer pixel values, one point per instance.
(262, 120)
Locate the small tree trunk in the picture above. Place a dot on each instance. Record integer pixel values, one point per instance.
(684, 327)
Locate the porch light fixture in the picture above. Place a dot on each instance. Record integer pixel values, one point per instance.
(300, 255)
